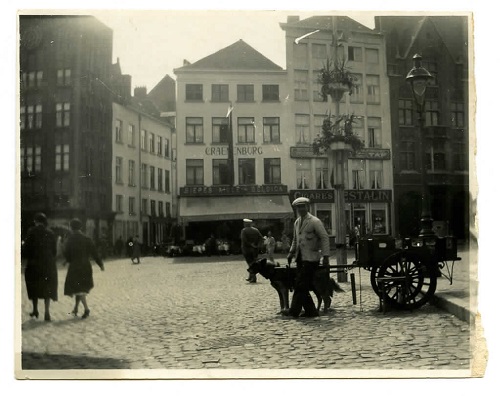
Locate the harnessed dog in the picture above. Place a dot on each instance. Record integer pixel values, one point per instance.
(283, 278)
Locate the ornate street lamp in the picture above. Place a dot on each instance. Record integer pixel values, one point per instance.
(418, 78)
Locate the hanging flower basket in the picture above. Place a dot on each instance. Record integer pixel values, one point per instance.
(337, 134)
(335, 79)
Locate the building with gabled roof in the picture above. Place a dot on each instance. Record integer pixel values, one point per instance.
(233, 142)
(442, 41)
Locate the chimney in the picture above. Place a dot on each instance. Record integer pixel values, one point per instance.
(186, 62)
(140, 92)
(292, 18)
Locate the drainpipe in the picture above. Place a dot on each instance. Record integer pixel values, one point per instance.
(139, 169)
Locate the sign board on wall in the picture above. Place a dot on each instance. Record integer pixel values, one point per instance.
(352, 196)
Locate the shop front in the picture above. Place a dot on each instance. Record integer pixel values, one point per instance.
(207, 211)
(367, 210)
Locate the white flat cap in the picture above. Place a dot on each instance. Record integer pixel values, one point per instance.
(247, 221)
(300, 201)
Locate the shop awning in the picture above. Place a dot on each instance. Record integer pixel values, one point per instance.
(234, 208)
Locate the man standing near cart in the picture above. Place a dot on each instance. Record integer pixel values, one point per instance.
(310, 244)
(251, 241)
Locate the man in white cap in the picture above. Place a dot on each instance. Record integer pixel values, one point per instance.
(310, 243)
(251, 241)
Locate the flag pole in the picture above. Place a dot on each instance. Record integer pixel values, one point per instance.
(230, 149)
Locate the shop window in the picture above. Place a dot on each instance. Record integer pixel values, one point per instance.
(378, 222)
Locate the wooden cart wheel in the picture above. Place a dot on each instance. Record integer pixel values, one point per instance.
(408, 281)
(373, 279)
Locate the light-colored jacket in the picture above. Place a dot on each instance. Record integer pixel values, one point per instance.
(311, 238)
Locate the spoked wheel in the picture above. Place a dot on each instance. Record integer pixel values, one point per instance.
(373, 279)
(408, 281)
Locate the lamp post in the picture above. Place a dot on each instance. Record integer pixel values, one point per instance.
(418, 78)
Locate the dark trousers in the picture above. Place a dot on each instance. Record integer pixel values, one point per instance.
(303, 283)
(250, 258)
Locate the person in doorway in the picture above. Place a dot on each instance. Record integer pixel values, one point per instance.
(210, 245)
(39, 249)
(270, 246)
(78, 251)
(310, 243)
(251, 241)
(136, 250)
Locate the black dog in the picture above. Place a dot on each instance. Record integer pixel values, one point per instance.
(283, 278)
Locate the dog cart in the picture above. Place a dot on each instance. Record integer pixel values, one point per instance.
(403, 273)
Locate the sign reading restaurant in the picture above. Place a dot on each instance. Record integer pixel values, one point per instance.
(328, 196)
(214, 191)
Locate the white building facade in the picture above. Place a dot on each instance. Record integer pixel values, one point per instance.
(234, 140)
(368, 178)
(144, 200)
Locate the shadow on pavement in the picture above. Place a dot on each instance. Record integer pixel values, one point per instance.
(43, 361)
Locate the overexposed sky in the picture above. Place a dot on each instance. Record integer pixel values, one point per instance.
(151, 44)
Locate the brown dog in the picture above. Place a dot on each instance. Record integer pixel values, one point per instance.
(282, 280)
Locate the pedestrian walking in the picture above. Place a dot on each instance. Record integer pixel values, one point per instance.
(136, 250)
(270, 246)
(251, 241)
(310, 243)
(78, 251)
(40, 274)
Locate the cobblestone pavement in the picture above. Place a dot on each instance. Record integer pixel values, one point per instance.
(195, 313)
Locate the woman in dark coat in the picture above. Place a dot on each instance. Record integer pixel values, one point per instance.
(78, 251)
(41, 271)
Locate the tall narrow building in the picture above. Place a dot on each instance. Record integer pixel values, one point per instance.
(368, 179)
(442, 41)
(65, 120)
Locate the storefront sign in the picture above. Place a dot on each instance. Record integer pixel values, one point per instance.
(213, 191)
(365, 153)
(238, 150)
(303, 152)
(328, 196)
